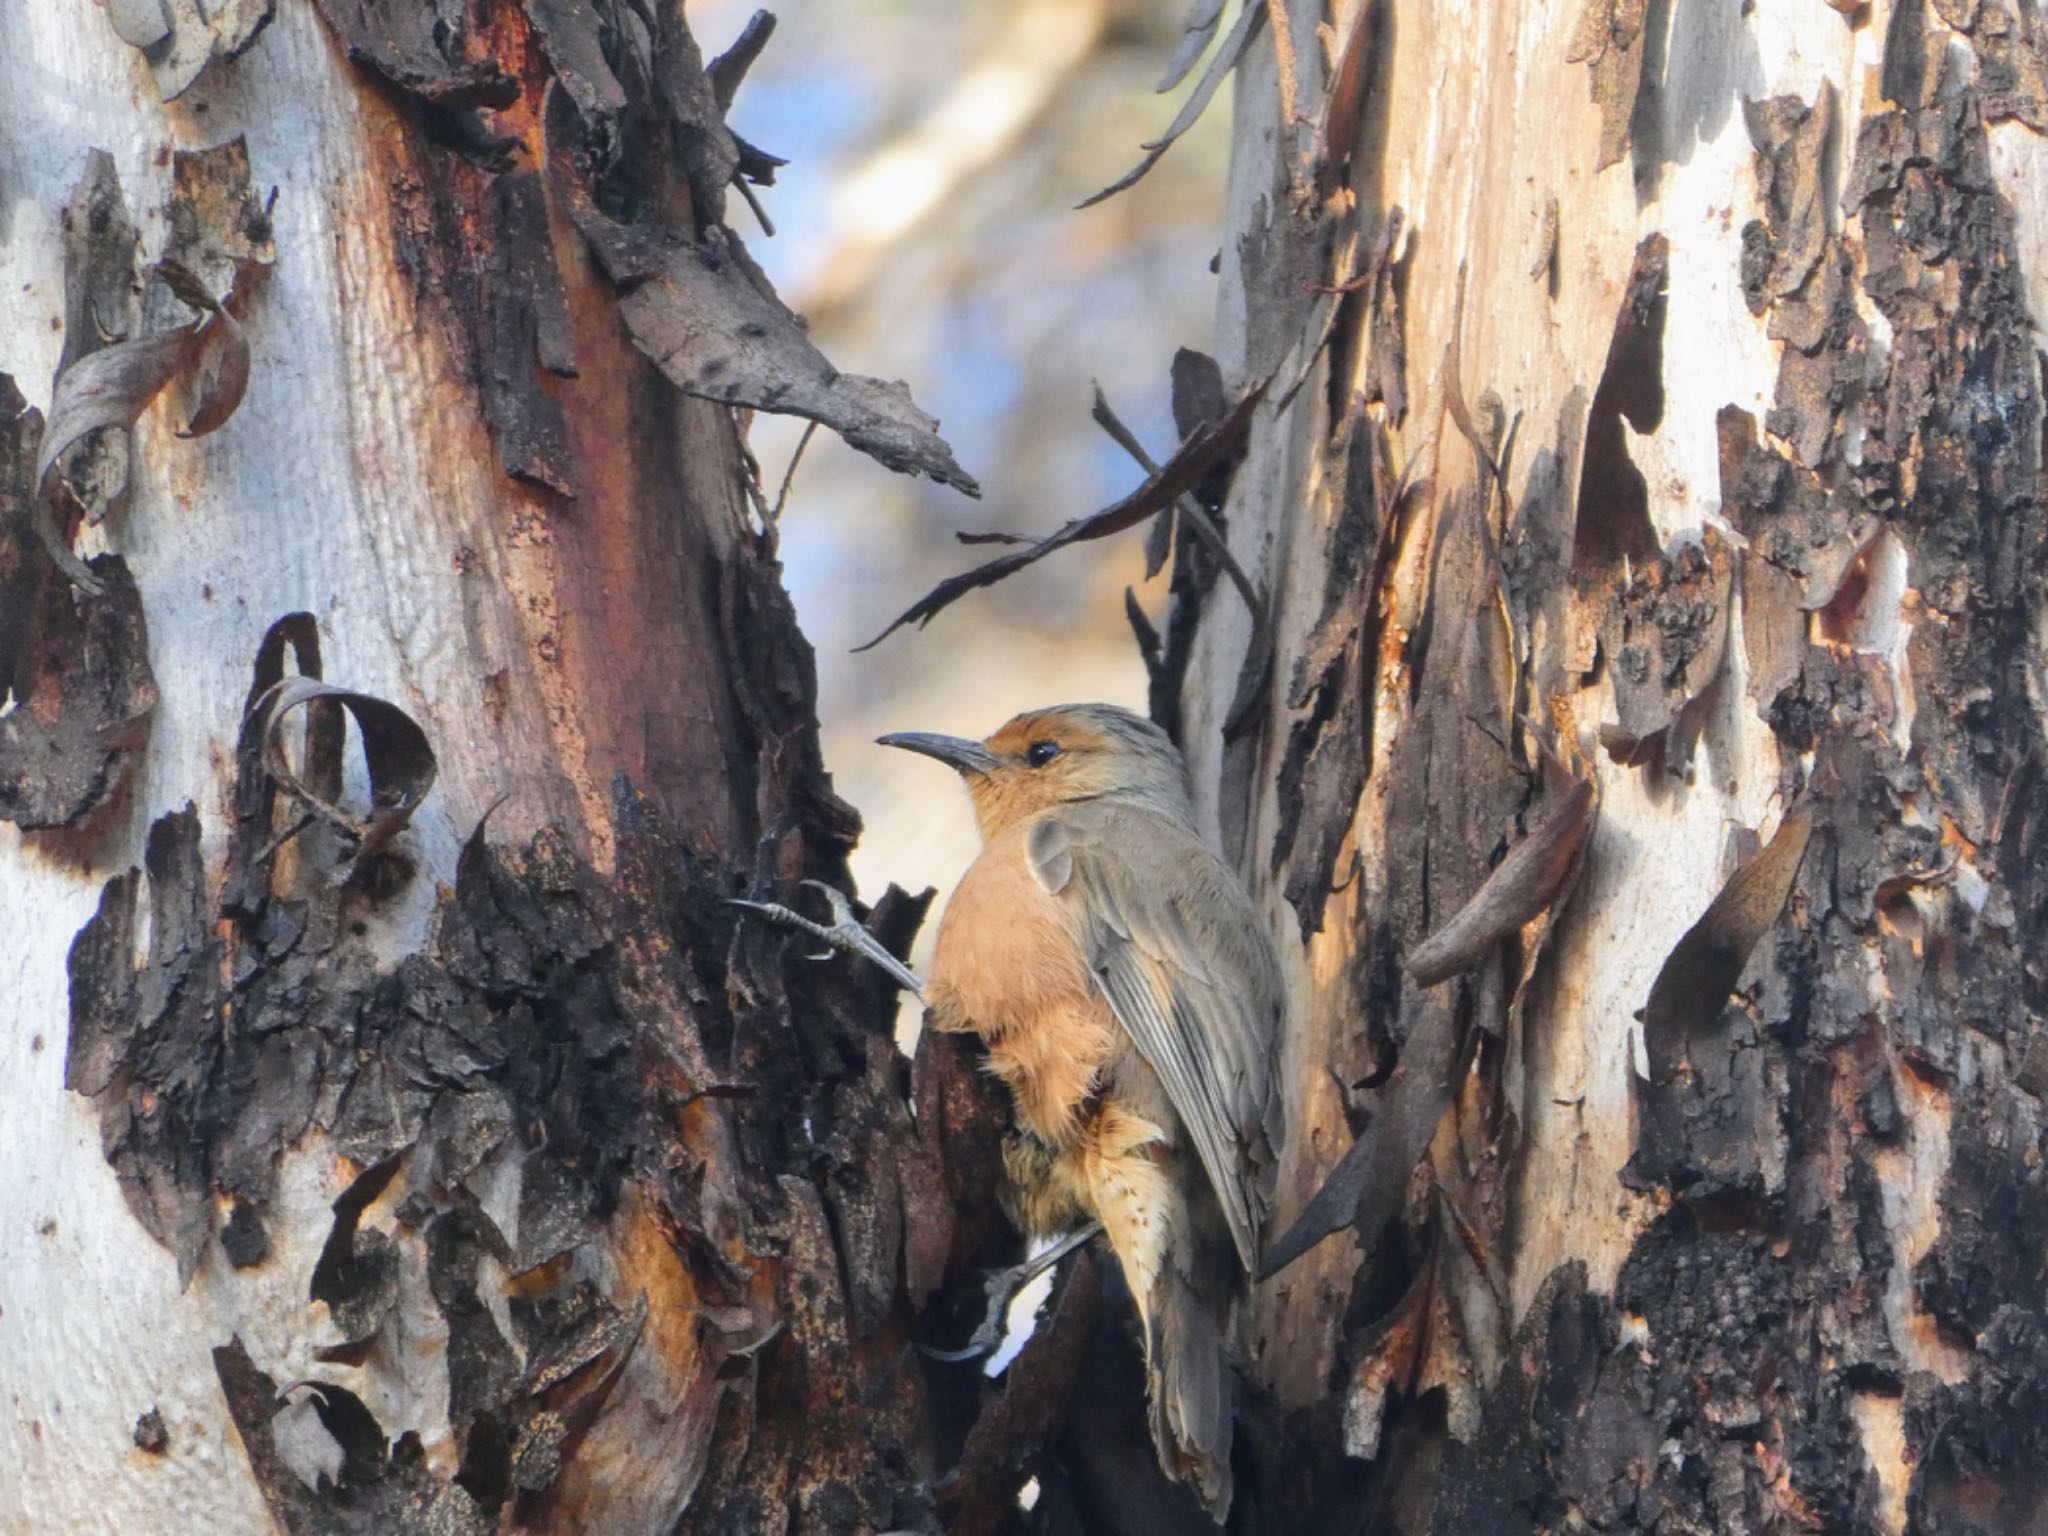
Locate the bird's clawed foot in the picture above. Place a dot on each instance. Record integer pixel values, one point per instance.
(1001, 1287)
(844, 933)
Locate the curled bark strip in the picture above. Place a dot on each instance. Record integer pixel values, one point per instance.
(114, 386)
(100, 308)
(1703, 968)
(400, 760)
(1521, 886)
(1221, 63)
(1175, 477)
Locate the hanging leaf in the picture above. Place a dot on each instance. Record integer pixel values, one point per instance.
(1221, 63)
(1161, 489)
(1520, 886)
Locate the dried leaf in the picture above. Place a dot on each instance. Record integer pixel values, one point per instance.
(1703, 968)
(1177, 475)
(1344, 106)
(396, 751)
(113, 386)
(709, 321)
(1370, 1180)
(1196, 29)
(1519, 887)
(1221, 63)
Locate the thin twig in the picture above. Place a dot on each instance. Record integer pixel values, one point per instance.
(789, 474)
(760, 214)
(1196, 516)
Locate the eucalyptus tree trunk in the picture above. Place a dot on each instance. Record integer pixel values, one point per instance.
(1636, 742)
(1675, 431)
(402, 1133)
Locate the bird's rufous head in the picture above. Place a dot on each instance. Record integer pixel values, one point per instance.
(1049, 757)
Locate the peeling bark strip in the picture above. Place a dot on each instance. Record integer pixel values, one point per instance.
(77, 670)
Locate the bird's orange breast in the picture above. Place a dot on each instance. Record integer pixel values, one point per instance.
(1006, 967)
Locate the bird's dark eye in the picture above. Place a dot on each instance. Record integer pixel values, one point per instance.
(1039, 753)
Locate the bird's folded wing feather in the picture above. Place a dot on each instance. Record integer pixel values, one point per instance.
(1176, 947)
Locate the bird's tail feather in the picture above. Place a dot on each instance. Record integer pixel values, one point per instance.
(1188, 1373)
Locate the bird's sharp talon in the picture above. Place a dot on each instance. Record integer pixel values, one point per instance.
(972, 1351)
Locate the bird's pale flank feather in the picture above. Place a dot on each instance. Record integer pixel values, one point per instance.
(1172, 941)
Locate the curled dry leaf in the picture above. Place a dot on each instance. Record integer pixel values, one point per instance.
(1520, 887)
(396, 751)
(1704, 966)
(114, 386)
(1173, 479)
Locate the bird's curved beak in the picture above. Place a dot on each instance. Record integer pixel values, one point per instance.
(955, 751)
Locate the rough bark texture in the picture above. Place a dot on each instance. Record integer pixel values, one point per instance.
(1634, 436)
(1694, 437)
(435, 1149)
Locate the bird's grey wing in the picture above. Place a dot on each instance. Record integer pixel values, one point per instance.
(1182, 957)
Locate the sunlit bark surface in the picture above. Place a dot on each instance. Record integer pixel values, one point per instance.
(1686, 427)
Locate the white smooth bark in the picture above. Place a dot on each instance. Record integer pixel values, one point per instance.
(355, 474)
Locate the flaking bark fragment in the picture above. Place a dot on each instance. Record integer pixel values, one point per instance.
(84, 694)
(1329, 742)
(426, 50)
(1791, 142)
(180, 38)
(220, 229)
(1609, 40)
(100, 307)
(1702, 970)
(528, 328)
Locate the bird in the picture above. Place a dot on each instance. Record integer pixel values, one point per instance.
(1129, 995)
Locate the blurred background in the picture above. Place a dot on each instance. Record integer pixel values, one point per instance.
(926, 224)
